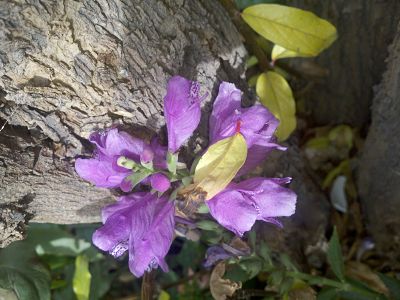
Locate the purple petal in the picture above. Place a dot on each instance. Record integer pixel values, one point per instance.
(160, 182)
(126, 185)
(160, 154)
(114, 233)
(99, 172)
(121, 143)
(269, 196)
(152, 230)
(215, 254)
(182, 111)
(257, 123)
(227, 101)
(112, 142)
(233, 211)
(122, 203)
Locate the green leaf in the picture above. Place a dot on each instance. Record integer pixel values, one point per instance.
(392, 284)
(27, 281)
(251, 61)
(138, 176)
(172, 159)
(164, 296)
(102, 277)
(251, 265)
(340, 169)
(19, 272)
(50, 239)
(219, 165)
(82, 278)
(334, 256)
(187, 180)
(208, 225)
(328, 294)
(279, 52)
(203, 209)
(276, 95)
(320, 142)
(291, 28)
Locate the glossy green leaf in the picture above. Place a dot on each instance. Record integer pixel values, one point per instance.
(392, 284)
(21, 273)
(219, 165)
(138, 176)
(334, 255)
(51, 239)
(276, 95)
(328, 294)
(291, 28)
(27, 281)
(208, 225)
(164, 296)
(340, 169)
(82, 278)
(278, 52)
(172, 160)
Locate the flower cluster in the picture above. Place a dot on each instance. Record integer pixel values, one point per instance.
(143, 222)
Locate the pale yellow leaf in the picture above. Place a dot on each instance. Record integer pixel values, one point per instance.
(164, 296)
(219, 165)
(82, 278)
(279, 52)
(291, 28)
(276, 95)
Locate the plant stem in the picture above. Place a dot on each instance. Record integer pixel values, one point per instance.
(147, 289)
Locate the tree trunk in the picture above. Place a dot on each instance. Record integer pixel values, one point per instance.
(69, 68)
(347, 71)
(379, 171)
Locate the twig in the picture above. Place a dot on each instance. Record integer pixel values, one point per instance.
(147, 289)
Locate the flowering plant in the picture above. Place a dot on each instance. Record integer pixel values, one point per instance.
(143, 222)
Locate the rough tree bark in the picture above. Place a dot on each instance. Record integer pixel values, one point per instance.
(68, 68)
(346, 74)
(379, 171)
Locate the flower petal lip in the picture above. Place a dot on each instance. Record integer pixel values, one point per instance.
(160, 182)
(99, 172)
(141, 223)
(182, 111)
(103, 170)
(227, 102)
(151, 235)
(257, 124)
(241, 204)
(233, 211)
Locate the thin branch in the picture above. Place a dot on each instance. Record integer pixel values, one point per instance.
(147, 289)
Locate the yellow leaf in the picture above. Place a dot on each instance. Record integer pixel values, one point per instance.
(219, 165)
(279, 52)
(164, 296)
(276, 95)
(291, 28)
(82, 278)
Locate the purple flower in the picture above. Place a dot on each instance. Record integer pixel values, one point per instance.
(160, 182)
(181, 110)
(103, 171)
(142, 224)
(256, 124)
(241, 204)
